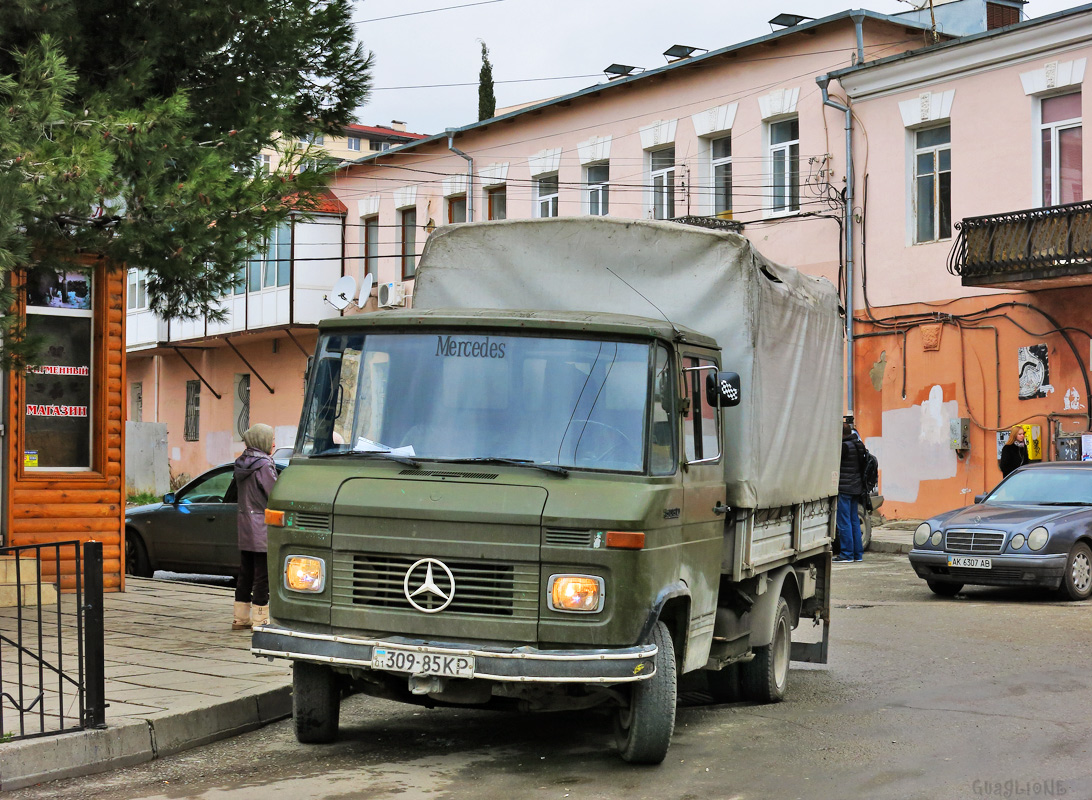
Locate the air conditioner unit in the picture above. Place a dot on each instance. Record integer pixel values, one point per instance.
(391, 294)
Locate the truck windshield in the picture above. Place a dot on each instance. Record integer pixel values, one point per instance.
(572, 403)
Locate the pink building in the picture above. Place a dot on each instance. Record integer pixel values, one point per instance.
(972, 276)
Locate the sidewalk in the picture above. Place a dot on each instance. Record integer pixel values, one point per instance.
(176, 677)
(894, 537)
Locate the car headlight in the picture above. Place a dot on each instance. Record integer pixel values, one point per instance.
(578, 593)
(1037, 539)
(935, 539)
(304, 574)
(1017, 541)
(921, 535)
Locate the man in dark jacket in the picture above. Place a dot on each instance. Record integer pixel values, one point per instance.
(850, 488)
(255, 475)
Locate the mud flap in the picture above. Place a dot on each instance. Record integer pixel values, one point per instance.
(812, 652)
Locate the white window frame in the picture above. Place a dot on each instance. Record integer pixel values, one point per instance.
(661, 184)
(137, 295)
(546, 201)
(783, 153)
(268, 260)
(714, 164)
(353, 143)
(915, 211)
(1055, 129)
(597, 192)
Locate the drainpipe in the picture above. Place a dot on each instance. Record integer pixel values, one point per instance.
(858, 23)
(469, 173)
(823, 81)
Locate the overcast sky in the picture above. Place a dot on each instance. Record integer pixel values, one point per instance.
(531, 40)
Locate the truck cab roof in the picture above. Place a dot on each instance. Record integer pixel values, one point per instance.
(568, 321)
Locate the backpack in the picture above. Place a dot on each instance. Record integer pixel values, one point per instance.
(870, 472)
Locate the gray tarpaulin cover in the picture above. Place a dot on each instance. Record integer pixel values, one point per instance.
(779, 329)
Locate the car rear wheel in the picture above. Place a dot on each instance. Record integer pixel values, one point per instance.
(866, 526)
(764, 677)
(316, 703)
(944, 589)
(136, 556)
(1077, 581)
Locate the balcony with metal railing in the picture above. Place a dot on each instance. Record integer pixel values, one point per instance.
(1039, 248)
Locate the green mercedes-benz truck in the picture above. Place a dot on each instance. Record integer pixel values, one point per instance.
(596, 457)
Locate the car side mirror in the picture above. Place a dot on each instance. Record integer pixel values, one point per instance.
(169, 498)
(722, 390)
(978, 498)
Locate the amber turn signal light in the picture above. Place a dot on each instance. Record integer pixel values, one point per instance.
(274, 518)
(626, 540)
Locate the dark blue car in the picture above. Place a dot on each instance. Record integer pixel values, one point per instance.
(1034, 529)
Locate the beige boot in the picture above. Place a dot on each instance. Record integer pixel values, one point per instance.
(241, 621)
(259, 615)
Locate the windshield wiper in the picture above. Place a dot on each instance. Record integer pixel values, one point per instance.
(1064, 503)
(384, 454)
(517, 462)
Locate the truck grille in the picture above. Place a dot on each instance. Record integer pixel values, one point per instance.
(564, 537)
(977, 542)
(376, 580)
(311, 521)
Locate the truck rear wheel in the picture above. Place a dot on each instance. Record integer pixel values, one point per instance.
(643, 728)
(316, 703)
(763, 678)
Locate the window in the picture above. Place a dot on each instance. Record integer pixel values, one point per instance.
(377, 144)
(371, 246)
(193, 411)
(785, 166)
(138, 290)
(353, 143)
(663, 460)
(598, 190)
(497, 203)
(456, 208)
(933, 184)
(546, 196)
(273, 266)
(264, 163)
(721, 152)
(313, 138)
(241, 406)
(58, 401)
(1061, 150)
(136, 402)
(700, 425)
(663, 183)
(407, 226)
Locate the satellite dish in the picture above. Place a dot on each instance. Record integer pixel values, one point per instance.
(365, 290)
(341, 293)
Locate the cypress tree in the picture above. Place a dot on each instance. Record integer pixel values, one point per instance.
(487, 101)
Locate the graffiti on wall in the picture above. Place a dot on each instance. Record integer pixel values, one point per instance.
(1034, 372)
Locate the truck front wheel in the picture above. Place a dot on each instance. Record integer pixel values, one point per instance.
(644, 727)
(316, 703)
(763, 678)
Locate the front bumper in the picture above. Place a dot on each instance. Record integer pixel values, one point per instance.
(516, 664)
(1005, 570)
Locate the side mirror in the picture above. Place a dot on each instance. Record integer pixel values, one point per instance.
(168, 498)
(722, 390)
(978, 498)
(307, 370)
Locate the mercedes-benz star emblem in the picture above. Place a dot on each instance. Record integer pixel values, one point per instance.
(426, 585)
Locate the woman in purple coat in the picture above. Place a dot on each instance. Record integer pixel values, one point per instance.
(255, 475)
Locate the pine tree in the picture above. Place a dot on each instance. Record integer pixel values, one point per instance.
(487, 101)
(130, 129)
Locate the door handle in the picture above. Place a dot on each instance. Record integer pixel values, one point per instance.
(720, 508)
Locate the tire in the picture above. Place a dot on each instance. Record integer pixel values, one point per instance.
(723, 685)
(763, 679)
(316, 703)
(643, 729)
(944, 589)
(866, 527)
(1077, 581)
(136, 556)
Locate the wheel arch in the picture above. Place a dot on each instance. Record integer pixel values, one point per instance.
(672, 606)
(782, 582)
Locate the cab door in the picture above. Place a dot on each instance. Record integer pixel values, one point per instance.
(704, 509)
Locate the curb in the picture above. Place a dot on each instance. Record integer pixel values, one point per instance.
(889, 547)
(72, 755)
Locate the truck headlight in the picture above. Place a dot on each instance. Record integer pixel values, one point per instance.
(579, 593)
(304, 574)
(921, 535)
(1037, 539)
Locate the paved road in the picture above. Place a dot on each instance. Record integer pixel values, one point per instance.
(986, 695)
